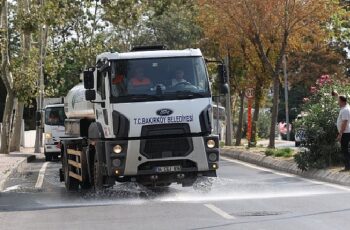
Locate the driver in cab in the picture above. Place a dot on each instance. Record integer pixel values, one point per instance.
(179, 78)
(139, 80)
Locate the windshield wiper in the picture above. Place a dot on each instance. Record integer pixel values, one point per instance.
(188, 94)
(142, 97)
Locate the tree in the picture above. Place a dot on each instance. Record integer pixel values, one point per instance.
(273, 27)
(174, 26)
(7, 78)
(246, 69)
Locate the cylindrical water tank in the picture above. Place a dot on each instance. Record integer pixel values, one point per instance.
(76, 106)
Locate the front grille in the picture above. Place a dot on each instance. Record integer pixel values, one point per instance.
(175, 146)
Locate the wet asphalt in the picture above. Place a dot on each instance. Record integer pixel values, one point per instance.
(243, 196)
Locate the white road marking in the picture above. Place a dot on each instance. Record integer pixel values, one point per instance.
(15, 187)
(286, 174)
(40, 180)
(219, 212)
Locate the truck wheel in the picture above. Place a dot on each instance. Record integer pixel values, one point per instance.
(48, 156)
(98, 176)
(71, 183)
(86, 184)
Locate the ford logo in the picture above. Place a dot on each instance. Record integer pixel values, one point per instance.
(164, 112)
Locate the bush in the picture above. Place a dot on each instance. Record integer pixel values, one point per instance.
(286, 152)
(321, 148)
(263, 125)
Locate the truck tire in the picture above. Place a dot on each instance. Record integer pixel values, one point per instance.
(71, 183)
(48, 156)
(98, 176)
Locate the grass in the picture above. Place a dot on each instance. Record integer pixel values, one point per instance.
(222, 144)
(285, 152)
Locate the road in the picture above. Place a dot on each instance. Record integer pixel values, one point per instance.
(242, 197)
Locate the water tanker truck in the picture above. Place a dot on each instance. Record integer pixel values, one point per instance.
(143, 116)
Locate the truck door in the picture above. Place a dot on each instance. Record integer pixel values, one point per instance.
(101, 109)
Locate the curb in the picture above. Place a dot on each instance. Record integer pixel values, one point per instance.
(17, 168)
(289, 167)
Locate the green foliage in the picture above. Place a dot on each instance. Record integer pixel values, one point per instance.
(285, 152)
(175, 26)
(263, 125)
(321, 148)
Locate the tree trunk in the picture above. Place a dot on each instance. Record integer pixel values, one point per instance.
(42, 47)
(234, 114)
(274, 113)
(17, 127)
(258, 96)
(240, 120)
(6, 124)
(6, 77)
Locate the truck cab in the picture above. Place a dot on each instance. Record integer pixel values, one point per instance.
(146, 117)
(53, 130)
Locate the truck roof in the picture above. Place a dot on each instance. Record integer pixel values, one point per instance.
(151, 54)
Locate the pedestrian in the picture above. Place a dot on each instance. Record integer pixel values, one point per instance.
(343, 126)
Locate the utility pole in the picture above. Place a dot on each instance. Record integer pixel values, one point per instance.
(39, 104)
(42, 44)
(286, 94)
(228, 140)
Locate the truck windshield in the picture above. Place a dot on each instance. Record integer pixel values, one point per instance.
(159, 79)
(54, 116)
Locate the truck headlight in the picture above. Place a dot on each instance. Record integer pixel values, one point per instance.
(117, 149)
(48, 135)
(211, 144)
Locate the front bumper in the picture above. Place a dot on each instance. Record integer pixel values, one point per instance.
(52, 148)
(132, 162)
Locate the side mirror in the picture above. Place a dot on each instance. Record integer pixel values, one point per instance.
(90, 95)
(88, 79)
(222, 73)
(224, 87)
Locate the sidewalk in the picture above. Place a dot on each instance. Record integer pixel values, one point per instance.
(257, 157)
(13, 162)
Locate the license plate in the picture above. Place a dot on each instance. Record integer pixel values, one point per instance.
(165, 169)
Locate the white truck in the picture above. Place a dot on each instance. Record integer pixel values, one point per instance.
(143, 116)
(53, 127)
